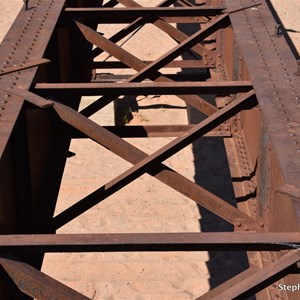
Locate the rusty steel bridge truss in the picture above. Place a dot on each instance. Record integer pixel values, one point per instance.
(48, 64)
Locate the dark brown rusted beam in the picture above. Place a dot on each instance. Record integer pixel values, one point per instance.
(155, 131)
(24, 66)
(141, 159)
(145, 88)
(227, 241)
(111, 78)
(125, 15)
(228, 284)
(279, 95)
(257, 278)
(37, 284)
(180, 20)
(138, 65)
(191, 64)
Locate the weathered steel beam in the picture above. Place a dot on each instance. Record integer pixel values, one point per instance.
(247, 284)
(178, 77)
(145, 88)
(9, 114)
(128, 14)
(37, 284)
(155, 131)
(228, 284)
(143, 161)
(11, 104)
(227, 241)
(275, 80)
(191, 64)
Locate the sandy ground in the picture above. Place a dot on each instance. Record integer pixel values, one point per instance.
(145, 205)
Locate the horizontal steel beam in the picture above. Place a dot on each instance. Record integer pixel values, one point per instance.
(145, 88)
(179, 77)
(126, 14)
(155, 131)
(173, 64)
(233, 241)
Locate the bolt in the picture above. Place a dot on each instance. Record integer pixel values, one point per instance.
(261, 224)
(26, 4)
(246, 228)
(238, 224)
(278, 31)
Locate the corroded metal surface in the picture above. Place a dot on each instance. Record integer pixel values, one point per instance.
(273, 71)
(254, 79)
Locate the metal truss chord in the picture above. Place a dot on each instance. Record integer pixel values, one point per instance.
(155, 131)
(128, 14)
(145, 88)
(228, 241)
